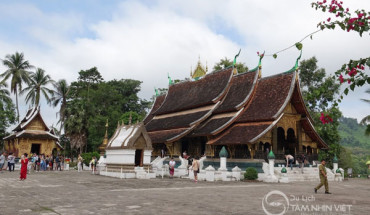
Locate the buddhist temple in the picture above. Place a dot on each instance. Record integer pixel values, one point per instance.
(32, 136)
(248, 114)
(129, 147)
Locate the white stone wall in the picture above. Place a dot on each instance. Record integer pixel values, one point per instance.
(121, 156)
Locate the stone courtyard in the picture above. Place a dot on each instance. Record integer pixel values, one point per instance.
(70, 192)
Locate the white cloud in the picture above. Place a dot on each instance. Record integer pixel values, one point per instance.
(145, 42)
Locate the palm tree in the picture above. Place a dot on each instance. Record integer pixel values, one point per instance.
(37, 86)
(366, 119)
(17, 71)
(60, 97)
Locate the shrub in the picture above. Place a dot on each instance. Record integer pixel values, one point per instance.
(88, 156)
(251, 173)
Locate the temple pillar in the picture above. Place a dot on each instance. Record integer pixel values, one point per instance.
(274, 140)
(299, 137)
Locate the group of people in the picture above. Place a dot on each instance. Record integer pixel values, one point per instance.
(193, 162)
(11, 161)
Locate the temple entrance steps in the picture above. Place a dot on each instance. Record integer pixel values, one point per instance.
(309, 174)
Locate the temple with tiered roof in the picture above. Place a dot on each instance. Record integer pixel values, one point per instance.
(32, 135)
(247, 113)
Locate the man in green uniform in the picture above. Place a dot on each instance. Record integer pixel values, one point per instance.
(323, 178)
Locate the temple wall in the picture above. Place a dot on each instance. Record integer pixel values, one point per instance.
(121, 156)
(23, 145)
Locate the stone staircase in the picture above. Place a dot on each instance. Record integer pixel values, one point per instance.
(309, 174)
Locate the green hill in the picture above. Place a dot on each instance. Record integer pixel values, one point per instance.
(353, 136)
(356, 144)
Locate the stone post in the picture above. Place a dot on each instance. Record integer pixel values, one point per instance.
(335, 164)
(210, 173)
(236, 173)
(271, 176)
(223, 156)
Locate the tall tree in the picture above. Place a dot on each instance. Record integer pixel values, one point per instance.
(18, 73)
(7, 111)
(60, 98)
(319, 92)
(37, 86)
(224, 63)
(366, 119)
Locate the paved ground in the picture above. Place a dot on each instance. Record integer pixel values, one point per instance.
(71, 192)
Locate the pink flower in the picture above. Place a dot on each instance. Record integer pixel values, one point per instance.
(258, 53)
(349, 81)
(328, 19)
(360, 15)
(324, 1)
(341, 79)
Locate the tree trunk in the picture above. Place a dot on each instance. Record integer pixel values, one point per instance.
(16, 100)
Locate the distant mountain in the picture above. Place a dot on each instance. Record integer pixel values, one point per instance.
(353, 136)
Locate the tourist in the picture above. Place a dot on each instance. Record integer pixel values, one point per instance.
(11, 161)
(62, 162)
(195, 166)
(302, 160)
(2, 161)
(172, 164)
(92, 164)
(38, 161)
(289, 160)
(79, 164)
(323, 178)
(57, 160)
(24, 165)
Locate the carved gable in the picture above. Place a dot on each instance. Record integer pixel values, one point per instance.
(36, 124)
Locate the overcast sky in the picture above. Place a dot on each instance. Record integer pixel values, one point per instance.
(145, 40)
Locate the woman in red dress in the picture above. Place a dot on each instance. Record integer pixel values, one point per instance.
(24, 162)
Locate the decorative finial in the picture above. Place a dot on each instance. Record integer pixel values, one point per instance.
(156, 92)
(236, 57)
(130, 119)
(296, 63)
(206, 67)
(169, 79)
(118, 125)
(106, 124)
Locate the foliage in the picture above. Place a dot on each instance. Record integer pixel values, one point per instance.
(60, 97)
(251, 173)
(366, 119)
(224, 63)
(135, 117)
(356, 145)
(7, 112)
(91, 102)
(18, 73)
(319, 93)
(88, 156)
(357, 21)
(37, 87)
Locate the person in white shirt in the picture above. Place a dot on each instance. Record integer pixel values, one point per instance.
(2, 161)
(172, 164)
(11, 161)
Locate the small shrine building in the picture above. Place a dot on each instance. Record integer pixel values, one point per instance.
(32, 135)
(247, 113)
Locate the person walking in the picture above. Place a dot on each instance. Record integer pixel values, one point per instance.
(93, 164)
(323, 178)
(79, 164)
(289, 160)
(11, 161)
(2, 161)
(195, 166)
(24, 164)
(172, 164)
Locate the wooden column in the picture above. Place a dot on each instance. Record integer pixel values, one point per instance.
(274, 140)
(299, 137)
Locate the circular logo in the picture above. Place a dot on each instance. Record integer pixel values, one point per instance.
(275, 203)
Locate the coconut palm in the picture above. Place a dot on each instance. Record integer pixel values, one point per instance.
(37, 86)
(18, 73)
(60, 97)
(366, 119)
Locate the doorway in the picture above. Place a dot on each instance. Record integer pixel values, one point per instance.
(35, 148)
(139, 157)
